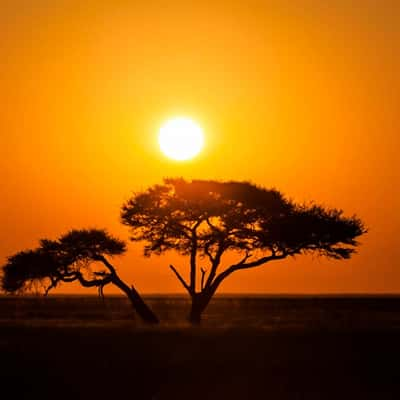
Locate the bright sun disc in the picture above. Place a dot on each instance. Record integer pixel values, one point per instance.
(181, 139)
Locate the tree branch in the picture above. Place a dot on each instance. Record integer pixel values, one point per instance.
(181, 280)
(100, 273)
(183, 228)
(243, 265)
(101, 258)
(203, 273)
(208, 253)
(94, 282)
(193, 255)
(101, 293)
(245, 258)
(196, 225)
(52, 285)
(213, 227)
(68, 278)
(215, 264)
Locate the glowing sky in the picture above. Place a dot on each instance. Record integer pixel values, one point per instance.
(300, 95)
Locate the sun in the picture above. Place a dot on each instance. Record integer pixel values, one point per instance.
(181, 138)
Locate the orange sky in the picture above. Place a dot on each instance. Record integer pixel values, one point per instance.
(301, 95)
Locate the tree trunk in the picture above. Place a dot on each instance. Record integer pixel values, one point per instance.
(137, 302)
(199, 304)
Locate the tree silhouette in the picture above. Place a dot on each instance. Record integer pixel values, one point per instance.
(78, 256)
(203, 220)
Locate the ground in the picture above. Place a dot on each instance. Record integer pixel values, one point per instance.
(247, 348)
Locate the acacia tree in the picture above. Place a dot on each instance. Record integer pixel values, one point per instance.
(204, 220)
(78, 256)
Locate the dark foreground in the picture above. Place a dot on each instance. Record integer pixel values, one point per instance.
(248, 348)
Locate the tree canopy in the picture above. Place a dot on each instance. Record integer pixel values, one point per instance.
(200, 219)
(78, 256)
(205, 219)
(67, 259)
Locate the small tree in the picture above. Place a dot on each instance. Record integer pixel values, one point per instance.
(79, 256)
(206, 219)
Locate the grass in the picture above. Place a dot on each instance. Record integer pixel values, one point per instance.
(267, 348)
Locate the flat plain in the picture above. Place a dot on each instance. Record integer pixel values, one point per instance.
(248, 347)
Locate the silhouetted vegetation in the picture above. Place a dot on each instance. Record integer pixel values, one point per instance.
(78, 256)
(205, 219)
(202, 220)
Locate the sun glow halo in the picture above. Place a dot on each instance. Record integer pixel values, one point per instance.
(181, 139)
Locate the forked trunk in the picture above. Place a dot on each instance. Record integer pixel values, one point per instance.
(144, 311)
